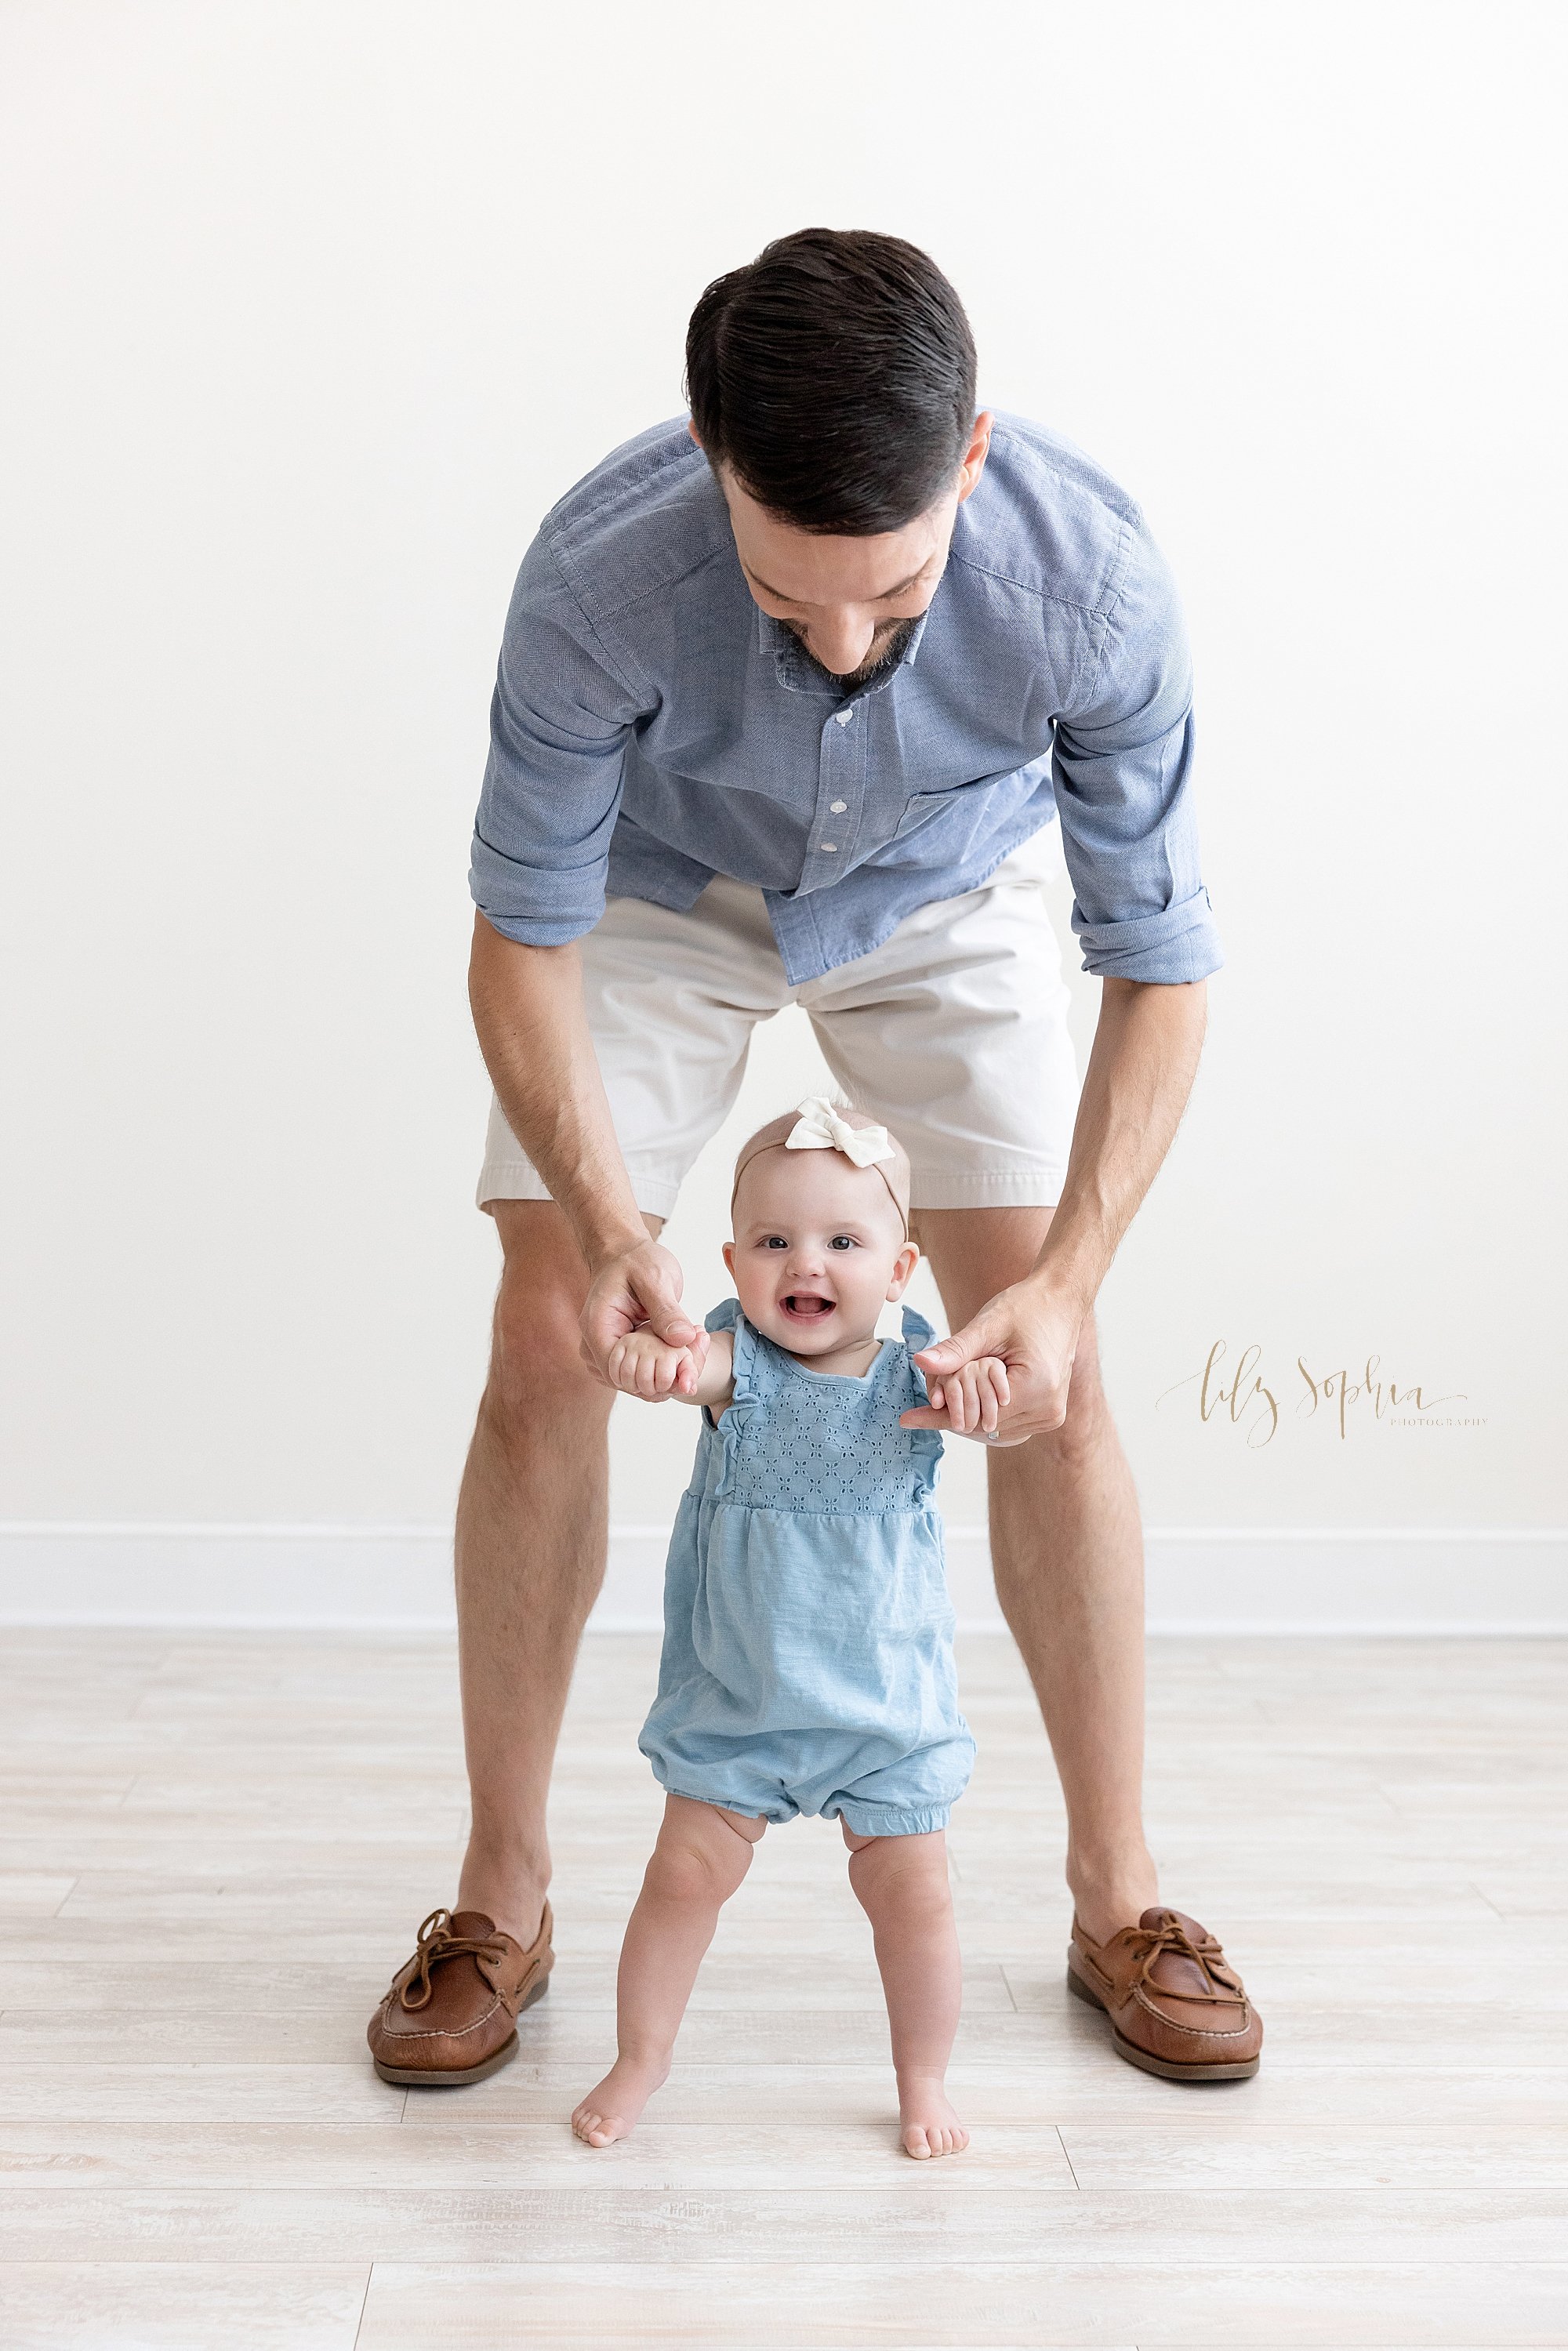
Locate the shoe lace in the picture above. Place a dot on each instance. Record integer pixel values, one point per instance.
(1150, 1943)
(435, 1943)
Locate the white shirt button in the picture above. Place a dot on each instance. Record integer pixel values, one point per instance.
(831, 847)
(838, 807)
(843, 716)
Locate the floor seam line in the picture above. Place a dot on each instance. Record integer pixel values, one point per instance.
(364, 2304)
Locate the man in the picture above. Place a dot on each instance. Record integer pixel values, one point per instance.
(784, 697)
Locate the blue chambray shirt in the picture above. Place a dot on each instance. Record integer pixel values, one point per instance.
(651, 727)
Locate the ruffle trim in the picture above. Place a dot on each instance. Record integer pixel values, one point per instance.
(917, 1331)
(925, 1444)
(745, 1400)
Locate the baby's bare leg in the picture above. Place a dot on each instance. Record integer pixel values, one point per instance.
(900, 1883)
(700, 1858)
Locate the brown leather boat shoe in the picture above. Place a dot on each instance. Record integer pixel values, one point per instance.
(450, 2016)
(1176, 2007)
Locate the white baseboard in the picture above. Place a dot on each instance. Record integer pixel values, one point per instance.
(1223, 1579)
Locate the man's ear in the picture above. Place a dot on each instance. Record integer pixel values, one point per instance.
(692, 429)
(974, 464)
(903, 1266)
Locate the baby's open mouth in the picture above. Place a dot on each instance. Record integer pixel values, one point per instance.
(807, 1306)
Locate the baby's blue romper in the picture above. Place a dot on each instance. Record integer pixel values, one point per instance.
(808, 1661)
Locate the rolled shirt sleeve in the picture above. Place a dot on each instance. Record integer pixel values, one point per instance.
(1121, 771)
(559, 720)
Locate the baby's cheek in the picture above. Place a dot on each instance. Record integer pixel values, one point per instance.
(754, 1288)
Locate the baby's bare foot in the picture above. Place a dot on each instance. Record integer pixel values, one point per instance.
(928, 2121)
(613, 2104)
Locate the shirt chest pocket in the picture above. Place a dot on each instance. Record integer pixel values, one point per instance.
(925, 806)
(942, 828)
(914, 839)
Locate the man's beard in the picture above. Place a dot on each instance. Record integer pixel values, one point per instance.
(885, 657)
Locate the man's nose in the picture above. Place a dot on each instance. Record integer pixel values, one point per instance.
(840, 640)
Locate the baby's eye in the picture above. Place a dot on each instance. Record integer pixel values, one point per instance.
(843, 1241)
(776, 1240)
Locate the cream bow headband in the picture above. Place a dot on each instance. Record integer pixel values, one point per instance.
(818, 1127)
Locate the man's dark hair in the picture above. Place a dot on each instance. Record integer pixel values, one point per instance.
(834, 376)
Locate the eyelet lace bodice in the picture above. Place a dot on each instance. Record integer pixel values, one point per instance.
(795, 1439)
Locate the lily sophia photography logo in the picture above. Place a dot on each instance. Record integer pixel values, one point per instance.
(1255, 1399)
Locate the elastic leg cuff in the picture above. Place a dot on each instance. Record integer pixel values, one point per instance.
(886, 1820)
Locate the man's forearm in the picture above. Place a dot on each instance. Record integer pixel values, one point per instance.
(1140, 1074)
(533, 1032)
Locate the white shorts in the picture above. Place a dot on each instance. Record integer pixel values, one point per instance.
(954, 1034)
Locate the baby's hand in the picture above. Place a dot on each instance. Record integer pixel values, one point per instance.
(643, 1365)
(973, 1397)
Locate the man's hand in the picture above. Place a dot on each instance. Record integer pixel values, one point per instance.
(639, 1288)
(1033, 1330)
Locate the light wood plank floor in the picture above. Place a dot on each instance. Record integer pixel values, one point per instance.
(215, 1849)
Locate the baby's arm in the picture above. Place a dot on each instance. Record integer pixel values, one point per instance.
(643, 1365)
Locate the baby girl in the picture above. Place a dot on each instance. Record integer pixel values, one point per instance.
(808, 1658)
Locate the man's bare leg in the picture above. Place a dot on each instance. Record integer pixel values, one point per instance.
(532, 1532)
(1068, 1555)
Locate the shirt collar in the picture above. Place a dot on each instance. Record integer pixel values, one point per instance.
(799, 672)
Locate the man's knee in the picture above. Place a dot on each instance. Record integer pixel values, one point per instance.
(536, 1357)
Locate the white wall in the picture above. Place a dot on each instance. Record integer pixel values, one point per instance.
(313, 309)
